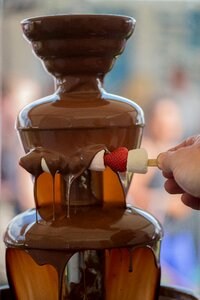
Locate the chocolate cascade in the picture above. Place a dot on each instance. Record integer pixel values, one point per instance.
(80, 241)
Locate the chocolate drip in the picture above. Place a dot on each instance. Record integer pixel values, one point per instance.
(69, 165)
(130, 269)
(58, 259)
(35, 196)
(63, 162)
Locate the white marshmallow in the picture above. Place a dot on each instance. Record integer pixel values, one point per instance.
(44, 166)
(97, 163)
(137, 161)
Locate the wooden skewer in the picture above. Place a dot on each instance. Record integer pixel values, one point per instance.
(152, 162)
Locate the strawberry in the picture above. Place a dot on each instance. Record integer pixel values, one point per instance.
(117, 159)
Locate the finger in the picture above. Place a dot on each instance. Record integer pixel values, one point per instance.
(191, 201)
(167, 174)
(188, 142)
(165, 161)
(172, 187)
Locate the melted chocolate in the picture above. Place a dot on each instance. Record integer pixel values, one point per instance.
(59, 162)
(73, 217)
(96, 227)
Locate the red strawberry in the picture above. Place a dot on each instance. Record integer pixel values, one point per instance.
(117, 159)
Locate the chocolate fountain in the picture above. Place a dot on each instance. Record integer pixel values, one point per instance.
(80, 241)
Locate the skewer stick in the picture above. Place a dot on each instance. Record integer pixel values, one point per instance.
(153, 162)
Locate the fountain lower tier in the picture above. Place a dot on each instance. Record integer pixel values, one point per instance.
(88, 227)
(100, 252)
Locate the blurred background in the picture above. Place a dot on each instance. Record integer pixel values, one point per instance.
(159, 70)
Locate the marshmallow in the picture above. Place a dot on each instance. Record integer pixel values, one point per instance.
(97, 163)
(137, 161)
(44, 166)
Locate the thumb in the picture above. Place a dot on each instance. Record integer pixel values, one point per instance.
(165, 161)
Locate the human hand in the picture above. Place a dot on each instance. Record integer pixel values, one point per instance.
(181, 167)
